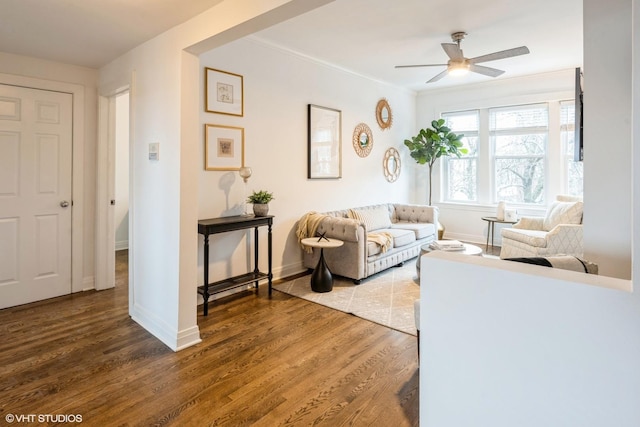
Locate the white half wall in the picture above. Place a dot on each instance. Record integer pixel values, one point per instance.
(507, 344)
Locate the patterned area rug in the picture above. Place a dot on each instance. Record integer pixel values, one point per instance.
(385, 298)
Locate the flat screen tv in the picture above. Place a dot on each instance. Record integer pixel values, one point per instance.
(579, 106)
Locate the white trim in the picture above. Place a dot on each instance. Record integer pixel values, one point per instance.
(172, 338)
(77, 186)
(122, 245)
(104, 278)
(303, 56)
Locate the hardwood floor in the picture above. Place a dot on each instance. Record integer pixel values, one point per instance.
(263, 361)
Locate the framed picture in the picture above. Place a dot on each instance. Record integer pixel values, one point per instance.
(224, 93)
(223, 148)
(324, 143)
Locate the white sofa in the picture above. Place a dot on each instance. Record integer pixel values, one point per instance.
(407, 226)
(559, 232)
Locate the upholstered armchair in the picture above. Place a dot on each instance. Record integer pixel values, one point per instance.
(558, 233)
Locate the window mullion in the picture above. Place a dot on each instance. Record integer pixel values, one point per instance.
(485, 162)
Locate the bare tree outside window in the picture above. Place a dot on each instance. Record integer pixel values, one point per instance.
(519, 138)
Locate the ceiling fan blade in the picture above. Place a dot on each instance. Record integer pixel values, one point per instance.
(438, 76)
(487, 71)
(516, 51)
(421, 65)
(453, 51)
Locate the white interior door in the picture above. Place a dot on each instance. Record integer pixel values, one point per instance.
(35, 194)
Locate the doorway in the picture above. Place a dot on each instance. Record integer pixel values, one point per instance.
(113, 186)
(121, 173)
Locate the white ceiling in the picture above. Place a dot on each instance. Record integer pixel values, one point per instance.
(89, 33)
(367, 37)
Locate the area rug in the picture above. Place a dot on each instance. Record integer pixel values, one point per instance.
(385, 298)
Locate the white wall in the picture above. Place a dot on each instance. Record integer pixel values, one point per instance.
(607, 135)
(163, 78)
(278, 85)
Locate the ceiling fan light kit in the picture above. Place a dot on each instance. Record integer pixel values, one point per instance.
(458, 68)
(458, 65)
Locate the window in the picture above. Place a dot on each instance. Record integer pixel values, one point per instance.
(518, 137)
(462, 173)
(520, 154)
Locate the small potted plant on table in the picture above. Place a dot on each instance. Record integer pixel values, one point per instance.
(260, 200)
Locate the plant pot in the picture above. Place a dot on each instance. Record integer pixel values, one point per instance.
(260, 209)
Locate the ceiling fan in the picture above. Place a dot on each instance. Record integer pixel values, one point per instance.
(458, 64)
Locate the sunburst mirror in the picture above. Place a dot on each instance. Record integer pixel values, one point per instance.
(362, 140)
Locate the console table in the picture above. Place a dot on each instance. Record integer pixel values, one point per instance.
(210, 226)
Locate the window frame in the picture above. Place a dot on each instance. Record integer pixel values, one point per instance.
(556, 175)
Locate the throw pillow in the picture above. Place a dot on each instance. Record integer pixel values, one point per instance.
(563, 213)
(374, 218)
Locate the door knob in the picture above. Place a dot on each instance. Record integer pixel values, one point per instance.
(64, 203)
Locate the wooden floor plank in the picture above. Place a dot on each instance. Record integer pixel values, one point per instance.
(263, 361)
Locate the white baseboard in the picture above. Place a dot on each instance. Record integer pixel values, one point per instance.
(171, 337)
(122, 245)
(88, 283)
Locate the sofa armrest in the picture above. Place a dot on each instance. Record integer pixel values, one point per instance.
(415, 213)
(566, 233)
(530, 223)
(345, 229)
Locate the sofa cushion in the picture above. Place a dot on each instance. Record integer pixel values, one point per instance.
(421, 230)
(373, 218)
(401, 237)
(563, 213)
(530, 237)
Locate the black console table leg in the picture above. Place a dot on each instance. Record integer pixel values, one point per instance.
(256, 241)
(269, 257)
(205, 291)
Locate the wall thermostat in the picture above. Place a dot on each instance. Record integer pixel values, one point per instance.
(154, 151)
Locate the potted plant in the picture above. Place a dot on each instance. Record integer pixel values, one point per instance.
(260, 200)
(432, 143)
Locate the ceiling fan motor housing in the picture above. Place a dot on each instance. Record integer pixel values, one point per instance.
(458, 36)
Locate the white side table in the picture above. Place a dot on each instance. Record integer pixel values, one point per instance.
(321, 279)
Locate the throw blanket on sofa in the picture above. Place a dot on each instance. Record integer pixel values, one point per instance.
(307, 227)
(374, 219)
(382, 239)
